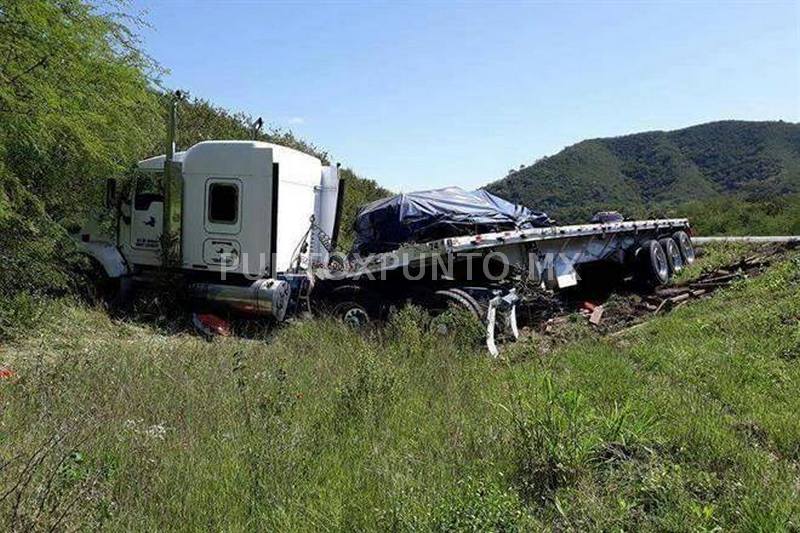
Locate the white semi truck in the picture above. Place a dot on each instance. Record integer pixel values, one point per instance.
(251, 226)
(243, 209)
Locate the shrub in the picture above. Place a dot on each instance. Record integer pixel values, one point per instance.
(368, 390)
(556, 442)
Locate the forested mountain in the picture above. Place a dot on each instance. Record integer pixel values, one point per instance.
(660, 171)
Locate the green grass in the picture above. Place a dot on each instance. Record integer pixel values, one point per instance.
(715, 255)
(686, 423)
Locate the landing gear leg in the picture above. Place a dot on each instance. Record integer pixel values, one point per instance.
(491, 315)
(507, 306)
(511, 322)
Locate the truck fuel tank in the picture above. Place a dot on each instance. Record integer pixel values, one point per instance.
(264, 297)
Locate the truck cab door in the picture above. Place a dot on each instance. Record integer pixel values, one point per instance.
(142, 222)
(147, 221)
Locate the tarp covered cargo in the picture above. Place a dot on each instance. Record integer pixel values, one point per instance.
(423, 216)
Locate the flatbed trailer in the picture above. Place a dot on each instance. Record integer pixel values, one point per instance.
(480, 272)
(573, 244)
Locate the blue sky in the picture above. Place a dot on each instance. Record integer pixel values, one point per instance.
(426, 94)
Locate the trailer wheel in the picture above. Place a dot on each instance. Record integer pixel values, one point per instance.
(685, 246)
(353, 305)
(478, 307)
(673, 253)
(653, 268)
(452, 299)
(353, 314)
(459, 299)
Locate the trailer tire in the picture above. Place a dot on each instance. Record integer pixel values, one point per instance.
(673, 253)
(652, 265)
(447, 299)
(353, 305)
(459, 299)
(353, 314)
(477, 310)
(685, 246)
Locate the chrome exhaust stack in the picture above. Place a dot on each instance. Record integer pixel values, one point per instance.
(265, 297)
(173, 193)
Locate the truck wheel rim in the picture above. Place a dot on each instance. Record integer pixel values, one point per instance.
(688, 249)
(660, 262)
(675, 255)
(355, 317)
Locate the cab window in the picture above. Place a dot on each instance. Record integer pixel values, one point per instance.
(223, 203)
(146, 190)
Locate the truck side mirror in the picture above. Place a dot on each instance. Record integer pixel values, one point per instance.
(111, 192)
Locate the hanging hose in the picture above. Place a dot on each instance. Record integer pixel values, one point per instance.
(314, 230)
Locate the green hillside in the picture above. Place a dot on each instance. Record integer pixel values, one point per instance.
(657, 171)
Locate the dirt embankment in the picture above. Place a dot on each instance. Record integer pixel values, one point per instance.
(612, 308)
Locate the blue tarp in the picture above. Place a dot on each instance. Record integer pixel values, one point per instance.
(423, 216)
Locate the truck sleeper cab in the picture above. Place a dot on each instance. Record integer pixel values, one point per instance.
(246, 205)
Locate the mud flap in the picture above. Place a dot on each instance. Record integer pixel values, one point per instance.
(511, 321)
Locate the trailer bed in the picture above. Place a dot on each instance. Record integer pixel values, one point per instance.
(566, 246)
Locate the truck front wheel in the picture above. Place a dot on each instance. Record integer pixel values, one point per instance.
(111, 293)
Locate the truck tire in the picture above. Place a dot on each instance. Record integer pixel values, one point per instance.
(652, 265)
(673, 253)
(447, 298)
(476, 308)
(685, 246)
(352, 313)
(112, 293)
(354, 306)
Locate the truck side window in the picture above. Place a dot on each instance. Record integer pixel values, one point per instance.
(223, 203)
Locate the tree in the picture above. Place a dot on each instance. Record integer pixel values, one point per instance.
(76, 98)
